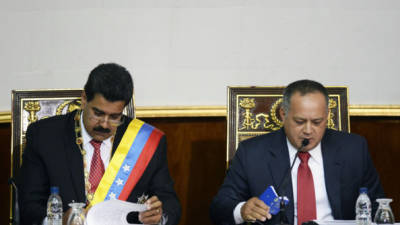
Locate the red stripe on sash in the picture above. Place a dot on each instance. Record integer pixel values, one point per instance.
(141, 164)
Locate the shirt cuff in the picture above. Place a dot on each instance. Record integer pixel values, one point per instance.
(236, 213)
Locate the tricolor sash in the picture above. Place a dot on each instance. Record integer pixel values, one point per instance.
(129, 161)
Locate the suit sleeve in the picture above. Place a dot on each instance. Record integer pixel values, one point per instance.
(33, 182)
(162, 185)
(233, 191)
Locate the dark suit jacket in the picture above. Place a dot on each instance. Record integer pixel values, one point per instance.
(52, 158)
(264, 160)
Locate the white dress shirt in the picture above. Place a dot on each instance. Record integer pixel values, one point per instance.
(316, 164)
(105, 148)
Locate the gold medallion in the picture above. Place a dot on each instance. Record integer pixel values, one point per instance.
(90, 197)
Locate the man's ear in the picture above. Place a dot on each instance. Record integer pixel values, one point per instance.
(83, 100)
(282, 114)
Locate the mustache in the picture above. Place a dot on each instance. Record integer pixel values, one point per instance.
(102, 130)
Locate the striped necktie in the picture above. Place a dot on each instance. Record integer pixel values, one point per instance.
(96, 166)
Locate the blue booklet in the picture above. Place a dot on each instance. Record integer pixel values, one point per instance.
(271, 199)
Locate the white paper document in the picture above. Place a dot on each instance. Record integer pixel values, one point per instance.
(112, 212)
(340, 222)
(336, 222)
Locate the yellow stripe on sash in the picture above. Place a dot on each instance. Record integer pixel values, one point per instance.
(116, 161)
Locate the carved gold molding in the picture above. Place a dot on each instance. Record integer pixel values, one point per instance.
(220, 111)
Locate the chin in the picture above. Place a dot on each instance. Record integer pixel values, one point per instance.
(312, 146)
(101, 137)
(97, 138)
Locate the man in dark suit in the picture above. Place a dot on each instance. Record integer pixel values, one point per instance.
(59, 152)
(336, 165)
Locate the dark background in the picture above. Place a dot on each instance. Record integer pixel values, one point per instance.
(197, 160)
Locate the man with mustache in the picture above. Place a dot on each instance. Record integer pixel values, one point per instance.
(80, 151)
(325, 180)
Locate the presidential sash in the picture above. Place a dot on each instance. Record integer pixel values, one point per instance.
(129, 161)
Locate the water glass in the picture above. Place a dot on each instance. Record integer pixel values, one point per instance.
(384, 214)
(77, 216)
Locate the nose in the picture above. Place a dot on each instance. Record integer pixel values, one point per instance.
(104, 122)
(307, 128)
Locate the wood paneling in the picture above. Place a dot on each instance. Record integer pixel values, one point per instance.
(196, 158)
(383, 136)
(196, 154)
(5, 165)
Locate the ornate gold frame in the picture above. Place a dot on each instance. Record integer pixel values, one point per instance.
(248, 117)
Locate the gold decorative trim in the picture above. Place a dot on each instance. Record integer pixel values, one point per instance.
(220, 111)
(180, 111)
(5, 117)
(374, 110)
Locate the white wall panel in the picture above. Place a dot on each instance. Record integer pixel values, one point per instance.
(187, 52)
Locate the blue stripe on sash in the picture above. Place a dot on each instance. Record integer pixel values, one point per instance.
(129, 162)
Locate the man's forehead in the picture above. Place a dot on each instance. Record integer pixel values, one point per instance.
(300, 117)
(302, 93)
(104, 110)
(299, 97)
(307, 105)
(100, 104)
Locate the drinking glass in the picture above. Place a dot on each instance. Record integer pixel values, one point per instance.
(77, 216)
(384, 214)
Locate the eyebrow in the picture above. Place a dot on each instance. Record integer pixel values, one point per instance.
(102, 112)
(304, 119)
(98, 110)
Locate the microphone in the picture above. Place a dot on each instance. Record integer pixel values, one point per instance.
(282, 212)
(16, 218)
(304, 143)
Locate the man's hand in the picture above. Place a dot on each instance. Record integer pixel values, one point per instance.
(255, 209)
(66, 215)
(154, 212)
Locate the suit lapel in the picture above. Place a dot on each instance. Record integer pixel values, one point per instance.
(279, 167)
(74, 160)
(332, 167)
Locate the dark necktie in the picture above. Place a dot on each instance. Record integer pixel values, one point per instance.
(306, 207)
(96, 166)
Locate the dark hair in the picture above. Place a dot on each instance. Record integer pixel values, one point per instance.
(303, 87)
(110, 80)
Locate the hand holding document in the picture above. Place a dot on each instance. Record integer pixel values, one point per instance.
(112, 212)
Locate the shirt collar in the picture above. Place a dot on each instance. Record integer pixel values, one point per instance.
(87, 138)
(315, 153)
